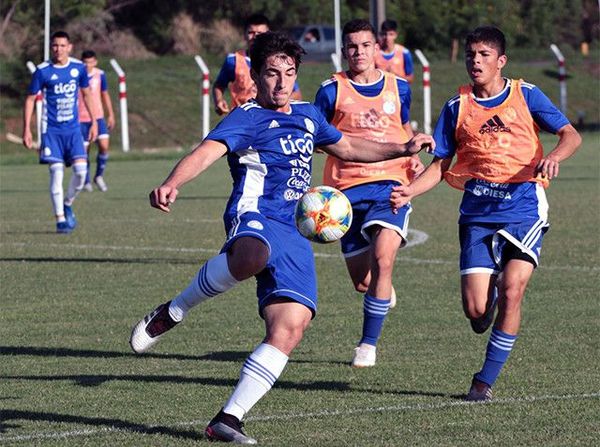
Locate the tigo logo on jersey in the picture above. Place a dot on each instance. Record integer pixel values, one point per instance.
(492, 125)
(65, 89)
(304, 146)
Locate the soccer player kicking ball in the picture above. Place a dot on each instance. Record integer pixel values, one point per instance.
(492, 128)
(60, 79)
(269, 144)
(372, 104)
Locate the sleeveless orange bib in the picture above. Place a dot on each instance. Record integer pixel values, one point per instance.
(395, 64)
(371, 118)
(498, 144)
(242, 88)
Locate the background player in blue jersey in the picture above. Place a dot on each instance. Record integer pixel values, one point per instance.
(235, 71)
(60, 79)
(492, 128)
(367, 102)
(269, 145)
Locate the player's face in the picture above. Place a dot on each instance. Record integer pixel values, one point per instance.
(275, 82)
(61, 48)
(388, 38)
(252, 31)
(90, 63)
(484, 65)
(359, 51)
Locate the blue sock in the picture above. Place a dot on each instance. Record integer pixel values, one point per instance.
(374, 311)
(87, 174)
(497, 352)
(101, 160)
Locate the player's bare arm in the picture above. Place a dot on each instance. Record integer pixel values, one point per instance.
(188, 168)
(433, 175)
(568, 142)
(27, 113)
(361, 150)
(221, 105)
(87, 100)
(110, 115)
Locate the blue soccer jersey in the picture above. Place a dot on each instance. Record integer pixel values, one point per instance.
(487, 202)
(59, 85)
(270, 156)
(327, 93)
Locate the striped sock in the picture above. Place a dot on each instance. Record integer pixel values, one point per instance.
(212, 279)
(259, 373)
(497, 352)
(374, 311)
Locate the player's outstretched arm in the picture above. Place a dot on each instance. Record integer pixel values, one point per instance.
(27, 113)
(358, 149)
(568, 142)
(434, 174)
(188, 168)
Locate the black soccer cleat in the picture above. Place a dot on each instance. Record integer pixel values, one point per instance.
(227, 428)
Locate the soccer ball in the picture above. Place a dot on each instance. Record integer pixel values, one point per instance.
(323, 214)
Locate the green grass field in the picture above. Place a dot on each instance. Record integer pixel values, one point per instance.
(68, 377)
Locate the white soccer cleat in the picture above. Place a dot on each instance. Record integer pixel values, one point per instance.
(393, 298)
(149, 329)
(100, 183)
(364, 356)
(88, 187)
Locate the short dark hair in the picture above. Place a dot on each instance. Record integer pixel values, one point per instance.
(257, 19)
(88, 54)
(59, 35)
(269, 43)
(389, 25)
(489, 35)
(356, 25)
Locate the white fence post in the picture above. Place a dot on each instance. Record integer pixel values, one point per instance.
(335, 59)
(562, 78)
(426, 92)
(38, 107)
(122, 105)
(205, 95)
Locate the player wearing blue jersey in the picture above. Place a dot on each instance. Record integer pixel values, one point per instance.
(365, 101)
(269, 144)
(492, 128)
(235, 71)
(60, 79)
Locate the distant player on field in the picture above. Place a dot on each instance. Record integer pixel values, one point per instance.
(269, 144)
(492, 128)
(235, 72)
(100, 102)
(372, 104)
(392, 56)
(60, 79)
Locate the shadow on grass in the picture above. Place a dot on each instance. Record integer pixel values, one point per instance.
(109, 424)
(42, 259)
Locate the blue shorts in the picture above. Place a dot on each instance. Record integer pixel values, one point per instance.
(290, 271)
(485, 248)
(371, 206)
(102, 130)
(62, 147)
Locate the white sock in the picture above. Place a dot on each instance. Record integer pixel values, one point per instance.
(57, 172)
(259, 373)
(77, 182)
(212, 279)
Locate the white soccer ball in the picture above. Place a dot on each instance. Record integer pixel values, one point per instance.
(323, 214)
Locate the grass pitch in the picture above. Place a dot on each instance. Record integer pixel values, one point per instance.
(68, 378)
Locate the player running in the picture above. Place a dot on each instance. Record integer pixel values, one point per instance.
(100, 102)
(269, 144)
(60, 79)
(492, 128)
(372, 104)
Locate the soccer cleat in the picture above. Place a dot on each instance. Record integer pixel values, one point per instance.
(480, 325)
(227, 428)
(63, 228)
(70, 216)
(88, 187)
(479, 392)
(364, 356)
(393, 298)
(100, 183)
(149, 329)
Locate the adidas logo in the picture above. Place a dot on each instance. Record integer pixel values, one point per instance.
(494, 124)
(273, 124)
(348, 100)
(53, 77)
